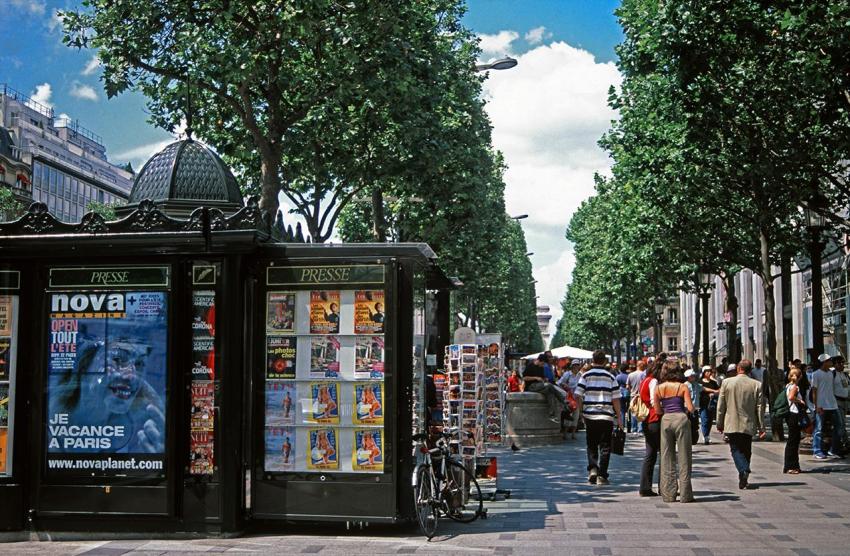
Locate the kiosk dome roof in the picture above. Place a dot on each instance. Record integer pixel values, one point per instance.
(186, 171)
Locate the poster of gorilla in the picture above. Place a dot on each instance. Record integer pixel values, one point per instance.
(107, 366)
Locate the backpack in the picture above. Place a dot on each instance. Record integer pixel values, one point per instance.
(638, 409)
(781, 408)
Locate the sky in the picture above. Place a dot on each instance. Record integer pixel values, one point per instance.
(547, 113)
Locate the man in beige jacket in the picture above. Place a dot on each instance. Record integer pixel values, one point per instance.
(740, 411)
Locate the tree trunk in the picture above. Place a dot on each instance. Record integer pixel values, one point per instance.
(732, 323)
(697, 331)
(774, 378)
(379, 222)
(269, 172)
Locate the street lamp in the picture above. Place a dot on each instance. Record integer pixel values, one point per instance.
(815, 223)
(635, 325)
(501, 64)
(659, 317)
(520, 217)
(705, 286)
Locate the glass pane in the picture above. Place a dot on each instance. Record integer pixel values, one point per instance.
(8, 367)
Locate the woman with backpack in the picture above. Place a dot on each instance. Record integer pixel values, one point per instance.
(796, 408)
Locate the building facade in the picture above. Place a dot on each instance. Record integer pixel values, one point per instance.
(543, 318)
(65, 164)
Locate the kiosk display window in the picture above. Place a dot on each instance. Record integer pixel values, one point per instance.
(8, 365)
(324, 380)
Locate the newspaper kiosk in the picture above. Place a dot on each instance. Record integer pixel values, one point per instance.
(192, 367)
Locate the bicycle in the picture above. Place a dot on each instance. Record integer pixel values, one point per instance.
(442, 489)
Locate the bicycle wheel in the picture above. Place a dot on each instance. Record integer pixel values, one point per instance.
(455, 492)
(424, 504)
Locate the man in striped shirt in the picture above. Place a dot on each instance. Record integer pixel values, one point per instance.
(598, 397)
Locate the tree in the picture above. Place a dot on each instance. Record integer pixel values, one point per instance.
(10, 207)
(292, 94)
(106, 210)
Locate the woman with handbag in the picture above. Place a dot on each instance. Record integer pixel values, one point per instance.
(796, 411)
(673, 403)
(651, 427)
(707, 401)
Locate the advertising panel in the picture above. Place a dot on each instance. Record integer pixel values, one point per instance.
(324, 312)
(107, 373)
(324, 453)
(280, 449)
(368, 450)
(201, 452)
(203, 406)
(369, 312)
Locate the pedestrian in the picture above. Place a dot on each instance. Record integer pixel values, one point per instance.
(673, 403)
(694, 389)
(514, 381)
(569, 382)
(796, 407)
(622, 381)
(707, 402)
(548, 367)
(598, 397)
(635, 378)
(842, 394)
(826, 409)
(651, 428)
(535, 381)
(740, 412)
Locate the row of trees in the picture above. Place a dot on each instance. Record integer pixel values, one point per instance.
(733, 119)
(365, 115)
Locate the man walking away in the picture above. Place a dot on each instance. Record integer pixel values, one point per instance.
(740, 412)
(598, 397)
(842, 394)
(826, 409)
(635, 378)
(535, 381)
(622, 381)
(695, 390)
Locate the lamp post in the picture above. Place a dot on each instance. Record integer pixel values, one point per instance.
(501, 64)
(815, 223)
(659, 319)
(635, 325)
(705, 287)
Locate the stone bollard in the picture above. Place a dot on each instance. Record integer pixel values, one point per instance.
(527, 421)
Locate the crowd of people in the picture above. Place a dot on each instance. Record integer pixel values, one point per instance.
(674, 407)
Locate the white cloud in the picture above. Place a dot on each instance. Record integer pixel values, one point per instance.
(548, 114)
(35, 7)
(55, 22)
(537, 35)
(92, 66)
(495, 46)
(137, 156)
(82, 91)
(42, 94)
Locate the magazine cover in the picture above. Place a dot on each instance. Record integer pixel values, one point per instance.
(281, 356)
(323, 449)
(368, 403)
(107, 363)
(281, 399)
(203, 318)
(324, 402)
(280, 313)
(280, 449)
(369, 357)
(368, 452)
(201, 453)
(369, 312)
(5, 357)
(5, 315)
(4, 434)
(203, 358)
(4, 405)
(324, 312)
(203, 405)
(324, 357)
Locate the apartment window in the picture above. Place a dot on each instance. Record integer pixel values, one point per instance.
(99, 195)
(672, 343)
(672, 316)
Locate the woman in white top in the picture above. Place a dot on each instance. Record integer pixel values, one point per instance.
(796, 405)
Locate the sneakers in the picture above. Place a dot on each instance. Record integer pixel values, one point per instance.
(648, 493)
(593, 476)
(602, 481)
(821, 456)
(834, 455)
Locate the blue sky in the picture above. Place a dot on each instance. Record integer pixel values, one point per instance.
(547, 113)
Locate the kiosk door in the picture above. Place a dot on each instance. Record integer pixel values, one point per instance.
(324, 393)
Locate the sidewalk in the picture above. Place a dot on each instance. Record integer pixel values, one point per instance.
(553, 510)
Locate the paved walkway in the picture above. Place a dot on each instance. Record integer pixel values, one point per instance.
(553, 510)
